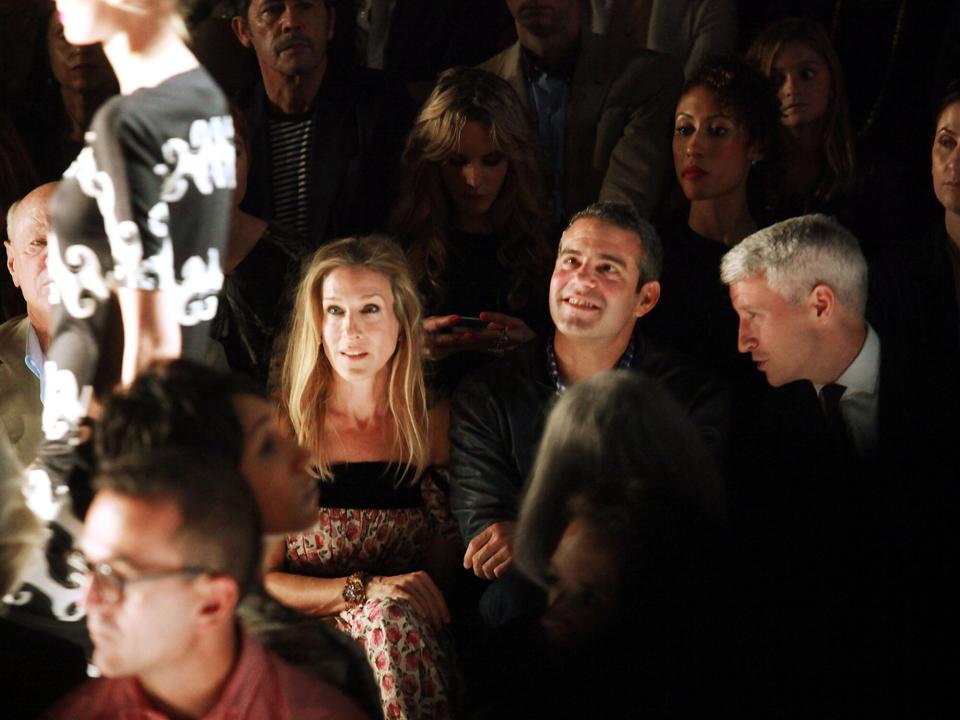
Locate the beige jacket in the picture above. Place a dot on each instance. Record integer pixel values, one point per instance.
(618, 123)
(20, 406)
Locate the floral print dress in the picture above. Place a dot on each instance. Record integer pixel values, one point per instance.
(374, 519)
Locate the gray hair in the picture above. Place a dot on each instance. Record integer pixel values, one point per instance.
(618, 427)
(11, 211)
(625, 217)
(798, 254)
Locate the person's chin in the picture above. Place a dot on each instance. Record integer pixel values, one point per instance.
(774, 380)
(297, 64)
(109, 664)
(575, 326)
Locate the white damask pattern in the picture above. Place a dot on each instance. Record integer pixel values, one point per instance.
(64, 403)
(77, 279)
(123, 236)
(208, 159)
(197, 294)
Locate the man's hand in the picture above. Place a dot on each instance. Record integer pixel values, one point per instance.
(490, 553)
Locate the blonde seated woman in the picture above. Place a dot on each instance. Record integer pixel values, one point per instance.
(353, 393)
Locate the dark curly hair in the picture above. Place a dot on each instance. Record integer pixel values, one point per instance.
(751, 98)
(748, 95)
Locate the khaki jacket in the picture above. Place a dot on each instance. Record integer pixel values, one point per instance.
(618, 123)
(20, 406)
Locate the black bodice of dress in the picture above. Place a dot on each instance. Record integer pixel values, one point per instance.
(371, 485)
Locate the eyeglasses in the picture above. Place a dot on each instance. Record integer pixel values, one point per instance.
(110, 584)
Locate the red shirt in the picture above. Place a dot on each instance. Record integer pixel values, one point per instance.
(261, 687)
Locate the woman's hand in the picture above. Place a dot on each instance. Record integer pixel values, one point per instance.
(418, 589)
(501, 333)
(510, 331)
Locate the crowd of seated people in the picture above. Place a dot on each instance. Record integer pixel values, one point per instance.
(496, 416)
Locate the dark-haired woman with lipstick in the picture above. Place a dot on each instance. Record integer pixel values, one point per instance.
(726, 123)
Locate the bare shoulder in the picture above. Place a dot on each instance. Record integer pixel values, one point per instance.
(439, 416)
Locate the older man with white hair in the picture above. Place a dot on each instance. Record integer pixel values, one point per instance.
(23, 339)
(800, 290)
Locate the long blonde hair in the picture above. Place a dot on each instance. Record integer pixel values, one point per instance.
(307, 375)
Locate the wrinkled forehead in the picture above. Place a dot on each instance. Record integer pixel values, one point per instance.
(254, 6)
(30, 220)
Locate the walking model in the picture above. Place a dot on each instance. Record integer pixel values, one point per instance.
(140, 220)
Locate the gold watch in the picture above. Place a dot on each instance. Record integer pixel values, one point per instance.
(355, 590)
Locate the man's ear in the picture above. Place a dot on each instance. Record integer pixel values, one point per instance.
(823, 300)
(239, 27)
(331, 21)
(218, 596)
(647, 298)
(10, 265)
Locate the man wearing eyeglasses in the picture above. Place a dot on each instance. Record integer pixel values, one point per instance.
(168, 546)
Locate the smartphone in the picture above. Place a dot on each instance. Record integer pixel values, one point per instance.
(467, 323)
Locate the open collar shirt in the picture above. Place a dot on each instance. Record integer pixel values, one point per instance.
(860, 400)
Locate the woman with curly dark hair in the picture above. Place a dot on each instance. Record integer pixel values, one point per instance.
(472, 217)
(725, 137)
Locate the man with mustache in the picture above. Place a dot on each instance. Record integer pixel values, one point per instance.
(324, 141)
(23, 340)
(601, 111)
(605, 279)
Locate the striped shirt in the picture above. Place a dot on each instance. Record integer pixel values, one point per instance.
(290, 165)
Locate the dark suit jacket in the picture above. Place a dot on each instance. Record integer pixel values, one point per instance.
(913, 298)
(618, 122)
(838, 548)
(361, 124)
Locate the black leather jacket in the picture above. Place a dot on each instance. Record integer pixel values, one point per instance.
(498, 413)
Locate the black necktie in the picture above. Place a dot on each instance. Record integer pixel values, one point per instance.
(836, 426)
